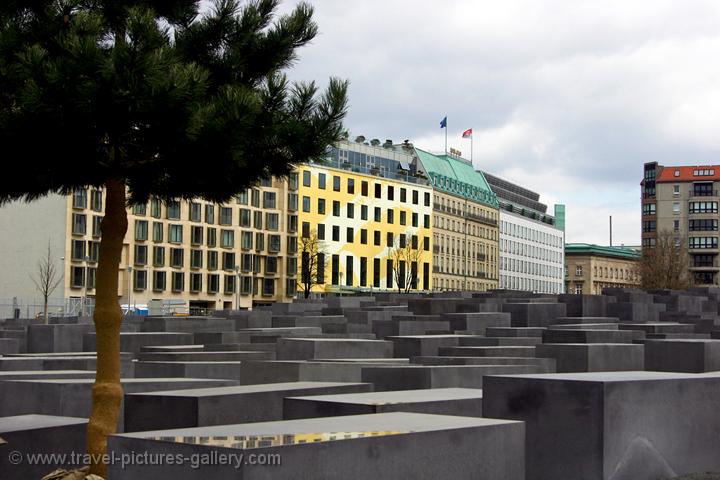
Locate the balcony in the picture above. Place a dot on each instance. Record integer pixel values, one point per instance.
(703, 193)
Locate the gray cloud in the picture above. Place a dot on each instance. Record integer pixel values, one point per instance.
(567, 98)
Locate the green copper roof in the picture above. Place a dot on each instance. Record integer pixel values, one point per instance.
(590, 249)
(457, 177)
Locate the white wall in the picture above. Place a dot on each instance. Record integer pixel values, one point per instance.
(26, 230)
(531, 255)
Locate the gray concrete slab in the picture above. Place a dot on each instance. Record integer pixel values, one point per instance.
(686, 355)
(612, 425)
(31, 435)
(310, 348)
(466, 402)
(593, 357)
(221, 405)
(381, 446)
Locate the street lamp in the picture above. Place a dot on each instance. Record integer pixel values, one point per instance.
(129, 292)
(237, 287)
(86, 259)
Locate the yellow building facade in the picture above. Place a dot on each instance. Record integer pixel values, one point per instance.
(359, 215)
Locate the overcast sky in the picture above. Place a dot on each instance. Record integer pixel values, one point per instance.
(568, 98)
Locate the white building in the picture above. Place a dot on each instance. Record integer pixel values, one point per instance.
(532, 242)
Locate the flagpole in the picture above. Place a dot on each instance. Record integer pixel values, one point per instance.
(446, 129)
(471, 150)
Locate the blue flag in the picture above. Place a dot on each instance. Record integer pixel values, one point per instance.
(443, 123)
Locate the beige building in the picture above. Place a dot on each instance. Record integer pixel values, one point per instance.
(683, 200)
(178, 256)
(590, 268)
(465, 224)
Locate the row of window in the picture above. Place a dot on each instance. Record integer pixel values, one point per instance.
(364, 188)
(517, 282)
(350, 236)
(227, 237)
(531, 234)
(394, 277)
(532, 251)
(529, 267)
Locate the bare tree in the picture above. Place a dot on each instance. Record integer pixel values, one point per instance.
(312, 262)
(403, 256)
(46, 279)
(665, 265)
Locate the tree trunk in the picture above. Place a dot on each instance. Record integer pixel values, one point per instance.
(107, 391)
(45, 311)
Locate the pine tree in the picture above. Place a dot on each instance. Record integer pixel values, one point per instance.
(150, 98)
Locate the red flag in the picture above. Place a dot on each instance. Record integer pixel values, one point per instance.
(467, 133)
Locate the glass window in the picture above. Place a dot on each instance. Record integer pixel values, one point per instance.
(227, 238)
(141, 230)
(306, 178)
(210, 214)
(176, 233)
(173, 210)
(269, 199)
(79, 224)
(321, 181)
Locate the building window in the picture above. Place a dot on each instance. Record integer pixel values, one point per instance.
(96, 200)
(255, 198)
(225, 216)
(336, 233)
(415, 197)
(258, 220)
(306, 178)
(268, 287)
(77, 277)
(350, 234)
(336, 183)
(213, 283)
(210, 212)
(259, 242)
(159, 281)
(228, 261)
(140, 280)
(390, 240)
(273, 243)
(158, 256)
(321, 206)
(578, 289)
(403, 217)
(196, 258)
(158, 232)
(211, 237)
(377, 214)
(336, 208)
(196, 235)
(195, 212)
(245, 217)
(96, 226)
(335, 268)
(212, 260)
(79, 224)
(427, 199)
(141, 254)
(269, 199)
(403, 195)
(350, 210)
(176, 234)
(363, 236)
(702, 207)
(292, 201)
(578, 271)
(364, 188)
(390, 216)
(227, 238)
(321, 181)
(376, 237)
(141, 230)
(351, 186)
(246, 285)
(363, 212)
(271, 265)
(155, 208)
(196, 282)
(177, 257)
(230, 281)
(80, 198)
(378, 190)
(173, 210)
(306, 204)
(391, 192)
(178, 281)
